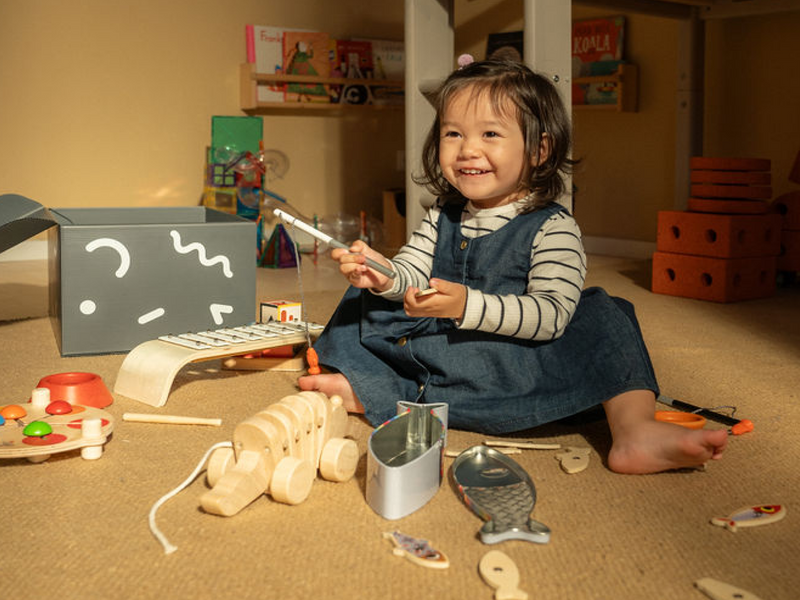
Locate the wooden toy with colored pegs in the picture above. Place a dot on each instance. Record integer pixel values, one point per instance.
(40, 428)
(280, 450)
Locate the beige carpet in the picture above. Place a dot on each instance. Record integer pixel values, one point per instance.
(78, 529)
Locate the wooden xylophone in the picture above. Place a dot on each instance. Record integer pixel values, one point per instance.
(147, 373)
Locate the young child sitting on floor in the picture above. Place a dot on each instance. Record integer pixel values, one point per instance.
(510, 339)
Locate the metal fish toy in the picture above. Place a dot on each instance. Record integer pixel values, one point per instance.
(501, 493)
(751, 516)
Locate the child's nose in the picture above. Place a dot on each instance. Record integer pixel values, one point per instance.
(470, 147)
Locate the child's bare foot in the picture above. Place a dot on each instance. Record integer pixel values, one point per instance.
(333, 384)
(664, 446)
(643, 445)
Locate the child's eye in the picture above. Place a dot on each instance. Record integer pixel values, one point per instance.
(451, 134)
(491, 134)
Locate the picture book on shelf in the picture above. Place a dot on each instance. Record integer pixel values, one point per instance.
(354, 57)
(306, 53)
(354, 60)
(596, 40)
(265, 50)
(388, 61)
(597, 50)
(388, 58)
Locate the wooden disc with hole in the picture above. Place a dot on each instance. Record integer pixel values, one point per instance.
(731, 177)
(729, 164)
(749, 192)
(728, 207)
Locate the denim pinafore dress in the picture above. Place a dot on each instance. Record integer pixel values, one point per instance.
(492, 383)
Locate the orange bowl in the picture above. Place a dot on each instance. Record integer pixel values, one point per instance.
(684, 419)
(86, 389)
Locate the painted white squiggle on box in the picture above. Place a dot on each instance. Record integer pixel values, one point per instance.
(151, 316)
(88, 307)
(124, 255)
(217, 310)
(201, 253)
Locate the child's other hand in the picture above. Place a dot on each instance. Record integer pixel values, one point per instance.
(448, 303)
(351, 265)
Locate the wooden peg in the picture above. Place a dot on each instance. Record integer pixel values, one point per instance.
(169, 419)
(521, 444)
(573, 459)
(502, 450)
(718, 590)
(501, 573)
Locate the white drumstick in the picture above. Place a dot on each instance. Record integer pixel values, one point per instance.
(312, 231)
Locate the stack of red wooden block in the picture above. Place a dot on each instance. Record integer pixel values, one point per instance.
(788, 206)
(725, 247)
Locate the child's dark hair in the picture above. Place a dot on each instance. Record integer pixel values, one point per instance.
(539, 111)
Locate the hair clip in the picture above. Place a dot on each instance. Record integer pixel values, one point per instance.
(464, 60)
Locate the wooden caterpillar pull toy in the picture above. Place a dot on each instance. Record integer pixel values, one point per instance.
(279, 451)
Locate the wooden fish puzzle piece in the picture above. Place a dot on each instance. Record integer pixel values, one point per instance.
(500, 572)
(574, 459)
(751, 516)
(418, 551)
(718, 590)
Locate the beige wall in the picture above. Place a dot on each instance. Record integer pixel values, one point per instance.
(109, 104)
(106, 103)
(752, 108)
(753, 91)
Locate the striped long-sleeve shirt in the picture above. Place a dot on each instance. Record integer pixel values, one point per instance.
(555, 279)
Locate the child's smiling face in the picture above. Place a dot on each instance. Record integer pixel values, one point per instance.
(481, 150)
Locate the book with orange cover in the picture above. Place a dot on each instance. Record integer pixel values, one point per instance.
(305, 53)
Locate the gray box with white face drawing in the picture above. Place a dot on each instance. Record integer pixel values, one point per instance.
(122, 276)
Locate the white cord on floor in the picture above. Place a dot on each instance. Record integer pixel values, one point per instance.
(169, 548)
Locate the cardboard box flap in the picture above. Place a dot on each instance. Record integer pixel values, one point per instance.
(20, 219)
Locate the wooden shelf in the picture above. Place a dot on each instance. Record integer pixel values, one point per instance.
(626, 79)
(249, 81)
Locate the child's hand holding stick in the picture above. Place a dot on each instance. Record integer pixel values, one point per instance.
(447, 301)
(381, 268)
(362, 266)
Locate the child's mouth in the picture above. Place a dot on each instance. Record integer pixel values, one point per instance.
(472, 172)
